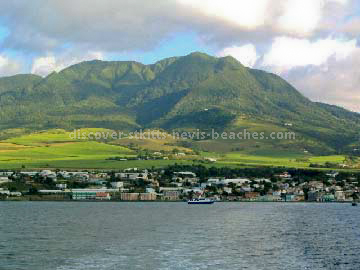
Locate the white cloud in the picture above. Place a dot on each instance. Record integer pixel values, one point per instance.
(342, 2)
(300, 38)
(124, 25)
(246, 13)
(334, 82)
(44, 65)
(287, 53)
(301, 16)
(107, 25)
(246, 54)
(9, 66)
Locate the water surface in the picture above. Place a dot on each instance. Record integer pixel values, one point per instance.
(119, 235)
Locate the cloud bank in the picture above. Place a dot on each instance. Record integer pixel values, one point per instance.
(307, 41)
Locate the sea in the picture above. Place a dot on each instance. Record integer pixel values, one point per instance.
(175, 235)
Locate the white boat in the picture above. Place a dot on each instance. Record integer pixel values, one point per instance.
(201, 201)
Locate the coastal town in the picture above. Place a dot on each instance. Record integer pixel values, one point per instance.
(175, 183)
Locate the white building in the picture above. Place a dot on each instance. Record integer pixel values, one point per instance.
(150, 190)
(4, 191)
(213, 181)
(133, 174)
(4, 179)
(61, 186)
(16, 194)
(162, 189)
(117, 185)
(236, 181)
(340, 195)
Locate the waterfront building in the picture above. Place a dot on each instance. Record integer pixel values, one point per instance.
(129, 196)
(102, 196)
(171, 195)
(138, 196)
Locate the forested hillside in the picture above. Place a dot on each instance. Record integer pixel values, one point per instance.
(193, 91)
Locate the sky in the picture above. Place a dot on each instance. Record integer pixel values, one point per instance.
(314, 44)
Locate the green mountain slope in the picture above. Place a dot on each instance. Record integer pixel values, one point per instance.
(18, 82)
(189, 92)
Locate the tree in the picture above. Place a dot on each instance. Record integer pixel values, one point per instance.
(33, 191)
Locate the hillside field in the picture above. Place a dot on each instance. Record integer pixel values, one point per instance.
(55, 149)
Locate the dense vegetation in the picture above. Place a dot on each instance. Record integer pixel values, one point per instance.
(194, 91)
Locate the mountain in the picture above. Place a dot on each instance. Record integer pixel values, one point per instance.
(189, 92)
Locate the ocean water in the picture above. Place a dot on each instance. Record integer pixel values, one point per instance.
(121, 235)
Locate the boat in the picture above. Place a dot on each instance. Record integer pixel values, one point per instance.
(201, 201)
(354, 204)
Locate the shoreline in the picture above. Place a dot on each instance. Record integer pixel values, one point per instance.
(163, 201)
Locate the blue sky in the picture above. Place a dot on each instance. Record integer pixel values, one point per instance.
(311, 43)
(177, 45)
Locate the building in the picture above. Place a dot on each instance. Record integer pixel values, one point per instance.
(129, 196)
(313, 196)
(117, 185)
(138, 196)
(50, 191)
(290, 198)
(150, 190)
(61, 186)
(83, 195)
(79, 175)
(340, 195)
(251, 195)
(213, 181)
(4, 191)
(284, 175)
(4, 179)
(262, 180)
(238, 181)
(31, 174)
(171, 195)
(327, 198)
(90, 194)
(16, 194)
(147, 196)
(332, 174)
(102, 196)
(270, 198)
(6, 173)
(47, 173)
(163, 189)
(132, 175)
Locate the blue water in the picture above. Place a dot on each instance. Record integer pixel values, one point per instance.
(81, 235)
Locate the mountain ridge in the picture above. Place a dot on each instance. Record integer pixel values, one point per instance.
(192, 91)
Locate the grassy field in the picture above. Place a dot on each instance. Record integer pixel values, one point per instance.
(51, 137)
(280, 159)
(151, 142)
(55, 149)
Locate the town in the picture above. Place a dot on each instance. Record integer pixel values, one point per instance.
(177, 183)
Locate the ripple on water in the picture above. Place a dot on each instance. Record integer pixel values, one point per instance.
(56, 235)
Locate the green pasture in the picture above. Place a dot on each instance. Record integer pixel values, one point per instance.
(55, 149)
